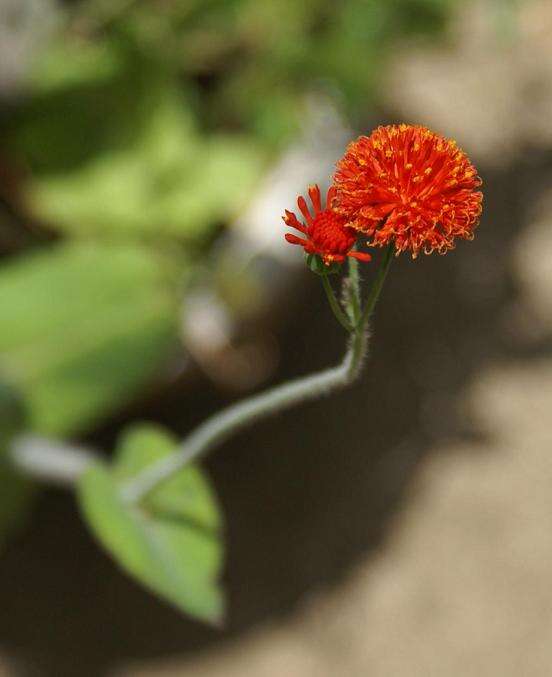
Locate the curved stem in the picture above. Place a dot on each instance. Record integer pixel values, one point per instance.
(340, 316)
(226, 423)
(56, 462)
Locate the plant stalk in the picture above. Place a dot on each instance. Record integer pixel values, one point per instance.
(231, 420)
(56, 462)
(340, 316)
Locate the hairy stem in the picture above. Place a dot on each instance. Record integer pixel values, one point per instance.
(231, 420)
(59, 463)
(352, 292)
(340, 315)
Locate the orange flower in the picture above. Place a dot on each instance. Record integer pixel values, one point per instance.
(326, 232)
(407, 185)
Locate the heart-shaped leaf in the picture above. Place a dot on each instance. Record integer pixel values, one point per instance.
(171, 542)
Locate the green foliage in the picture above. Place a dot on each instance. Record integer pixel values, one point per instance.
(82, 327)
(118, 152)
(171, 542)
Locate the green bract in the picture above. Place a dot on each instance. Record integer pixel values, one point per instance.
(315, 263)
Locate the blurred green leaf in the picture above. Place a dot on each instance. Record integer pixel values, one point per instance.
(82, 328)
(317, 265)
(62, 66)
(120, 153)
(171, 542)
(147, 191)
(16, 492)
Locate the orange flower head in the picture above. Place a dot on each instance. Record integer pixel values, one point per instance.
(325, 232)
(406, 185)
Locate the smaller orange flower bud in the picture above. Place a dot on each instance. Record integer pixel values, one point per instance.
(326, 233)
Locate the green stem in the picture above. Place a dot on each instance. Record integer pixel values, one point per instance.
(353, 292)
(335, 306)
(377, 285)
(55, 462)
(231, 420)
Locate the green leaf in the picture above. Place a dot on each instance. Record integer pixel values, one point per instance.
(143, 191)
(64, 65)
(172, 541)
(82, 328)
(16, 492)
(118, 151)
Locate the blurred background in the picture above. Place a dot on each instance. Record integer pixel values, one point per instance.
(147, 151)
